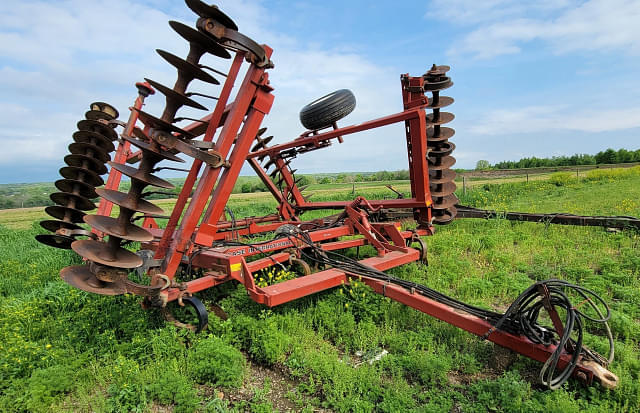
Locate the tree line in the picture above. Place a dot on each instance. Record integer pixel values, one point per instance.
(608, 156)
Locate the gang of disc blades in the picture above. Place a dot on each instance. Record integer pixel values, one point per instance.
(156, 123)
(174, 95)
(78, 148)
(101, 253)
(94, 138)
(186, 67)
(193, 36)
(445, 133)
(442, 175)
(135, 173)
(445, 202)
(58, 211)
(443, 149)
(204, 10)
(443, 101)
(445, 117)
(98, 127)
(83, 161)
(111, 226)
(81, 174)
(66, 198)
(80, 277)
(135, 204)
(446, 188)
(147, 147)
(54, 225)
(443, 163)
(76, 187)
(55, 240)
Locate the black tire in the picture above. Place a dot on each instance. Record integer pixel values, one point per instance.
(330, 108)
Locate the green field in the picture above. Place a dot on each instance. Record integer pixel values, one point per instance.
(65, 350)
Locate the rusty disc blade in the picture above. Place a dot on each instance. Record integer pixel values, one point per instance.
(65, 213)
(147, 147)
(193, 36)
(101, 253)
(88, 149)
(442, 163)
(67, 199)
(111, 226)
(442, 83)
(122, 199)
(439, 190)
(174, 95)
(445, 117)
(437, 70)
(54, 225)
(156, 123)
(186, 67)
(441, 176)
(98, 127)
(262, 143)
(446, 216)
(97, 115)
(81, 174)
(79, 276)
(444, 134)
(204, 10)
(55, 240)
(83, 161)
(76, 187)
(104, 107)
(261, 131)
(443, 149)
(443, 101)
(94, 138)
(140, 134)
(446, 202)
(135, 173)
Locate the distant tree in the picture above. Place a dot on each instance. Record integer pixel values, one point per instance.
(246, 188)
(325, 180)
(608, 156)
(482, 165)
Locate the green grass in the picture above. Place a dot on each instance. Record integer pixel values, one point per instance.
(66, 350)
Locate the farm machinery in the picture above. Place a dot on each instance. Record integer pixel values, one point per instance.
(203, 245)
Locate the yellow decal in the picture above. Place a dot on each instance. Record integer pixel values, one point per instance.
(236, 267)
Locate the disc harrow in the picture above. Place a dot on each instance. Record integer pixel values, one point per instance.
(200, 248)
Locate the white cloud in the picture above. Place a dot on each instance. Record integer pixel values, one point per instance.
(533, 119)
(503, 26)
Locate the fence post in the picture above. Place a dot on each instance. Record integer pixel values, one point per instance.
(464, 184)
(527, 178)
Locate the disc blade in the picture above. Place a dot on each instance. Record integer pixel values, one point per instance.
(122, 199)
(94, 138)
(55, 240)
(445, 117)
(111, 226)
(195, 37)
(443, 149)
(135, 173)
(442, 163)
(444, 134)
(53, 225)
(64, 213)
(443, 101)
(204, 10)
(441, 176)
(80, 277)
(101, 253)
(186, 67)
(98, 127)
(82, 174)
(88, 149)
(76, 187)
(156, 123)
(175, 96)
(439, 190)
(446, 217)
(446, 202)
(72, 200)
(83, 161)
(104, 107)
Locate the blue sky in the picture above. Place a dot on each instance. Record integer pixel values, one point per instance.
(537, 78)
